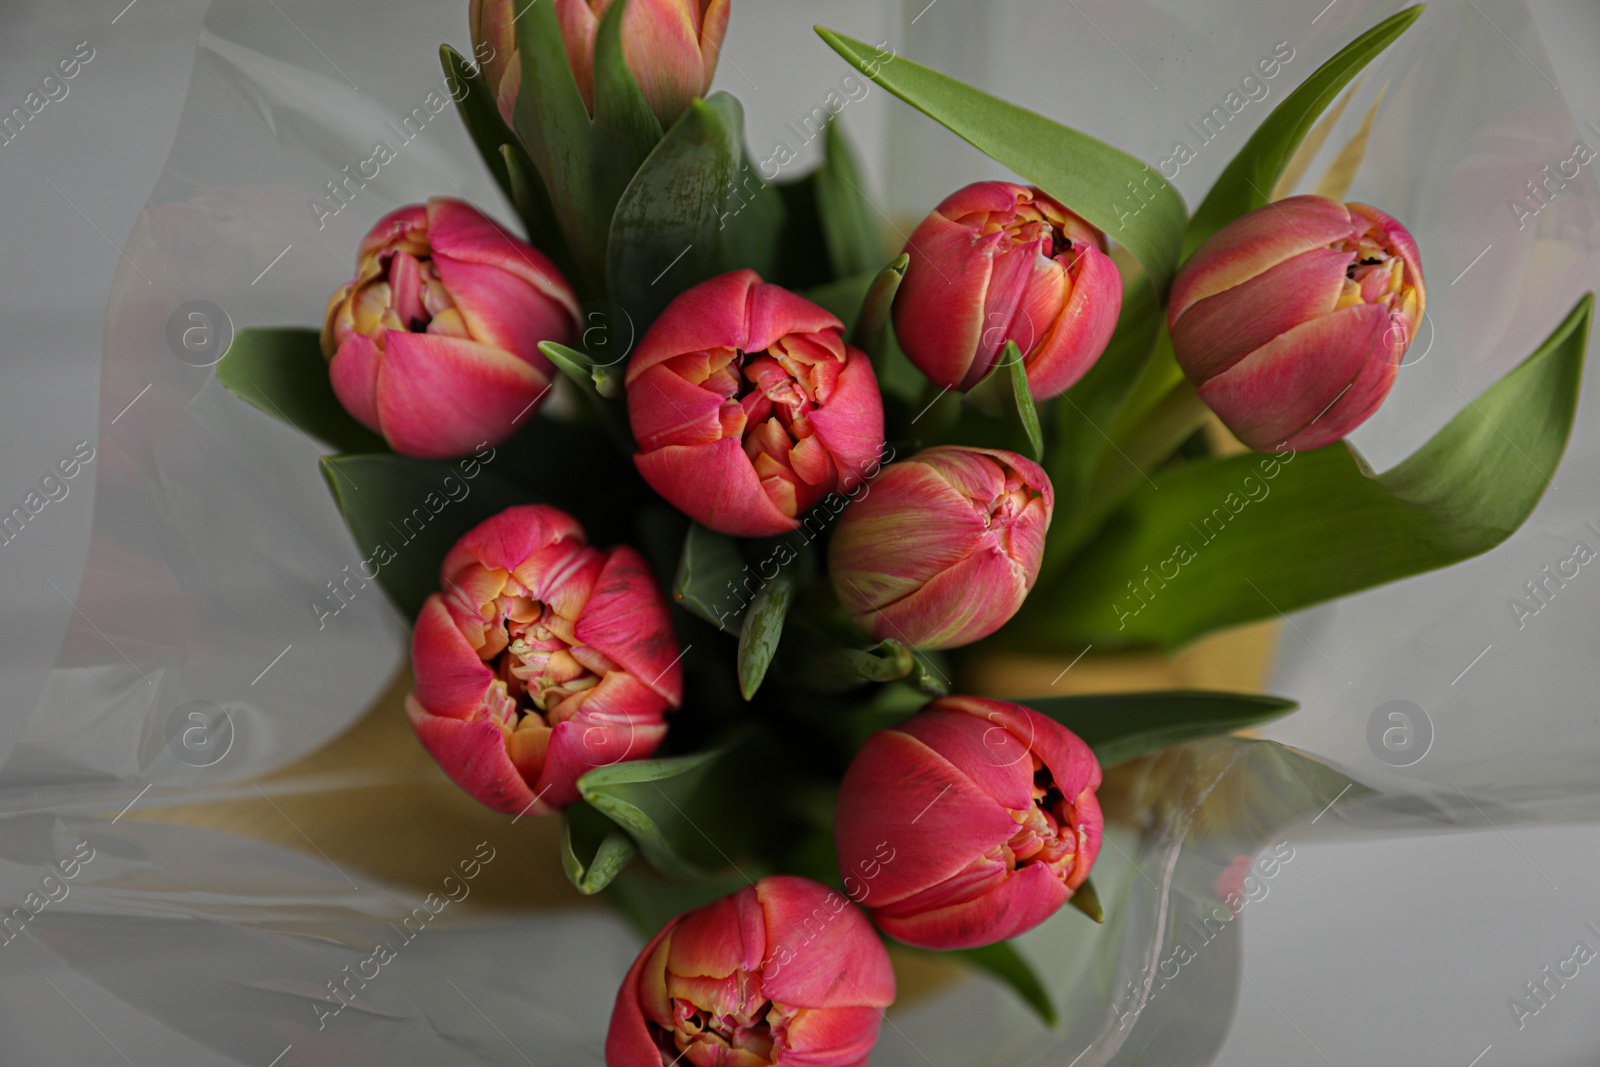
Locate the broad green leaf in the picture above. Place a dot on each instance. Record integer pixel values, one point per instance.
(593, 850)
(656, 802)
(851, 226)
(1019, 407)
(707, 582)
(280, 370)
(532, 201)
(553, 125)
(1087, 175)
(1001, 960)
(693, 211)
(1124, 726)
(1247, 181)
(625, 129)
(871, 330)
(761, 631)
(1084, 415)
(1087, 900)
(406, 513)
(479, 114)
(1217, 543)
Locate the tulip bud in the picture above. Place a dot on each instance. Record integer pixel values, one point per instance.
(1292, 319)
(944, 546)
(783, 972)
(435, 345)
(749, 407)
(988, 811)
(998, 262)
(671, 47)
(542, 658)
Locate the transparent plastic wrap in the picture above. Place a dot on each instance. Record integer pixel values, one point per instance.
(264, 861)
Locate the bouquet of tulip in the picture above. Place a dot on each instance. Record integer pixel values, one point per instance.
(830, 477)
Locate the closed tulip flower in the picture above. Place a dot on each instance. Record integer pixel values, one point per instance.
(435, 345)
(990, 811)
(671, 47)
(998, 262)
(542, 658)
(944, 546)
(749, 408)
(1292, 320)
(785, 972)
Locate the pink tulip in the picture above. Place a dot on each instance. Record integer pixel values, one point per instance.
(943, 547)
(749, 408)
(1292, 320)
(785, 972)
(435, 343)
(998, 262)
(989, 812)
(542, 659)
(670, 46)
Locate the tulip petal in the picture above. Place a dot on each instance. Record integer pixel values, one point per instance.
(825, 933)
(850, 425)
(353, 373)
(1276, 394)
(626, 618)
(1225, 328)
(473, 754)
(939, 308)
(716, 484)
(661, 45)
(442, 397)
(1081, 332)
(898, 793)
(959, 605)
(505, 540)
(664, 408)
(832, 1037)
(996, 756)
(775, 312)
(459, 231)
(1255, 242)
(725, 936)
(579, 745)
(712, 314)
(503, 310)
(1016, 905)
(628, 1040)
(451, 680)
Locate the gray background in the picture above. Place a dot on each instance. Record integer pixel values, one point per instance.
(1399, 950)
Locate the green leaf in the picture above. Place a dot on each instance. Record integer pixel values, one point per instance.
(406, 513)
(1087, 175)
(280, 370)
(625, 129)
(708, 571)
(532, 201)
(1222, 542)
(1001, 960)
(762, 628)
(1019, 407)
(649, 901)
(851, 227)
(599, 385)
(1246, 183)
(593, 850)
(479, 114)
(871, 331)
(652, 800)
(692, 211)
(553, 125)
(1124, 726)
(1084, 416)
(1087, 900)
